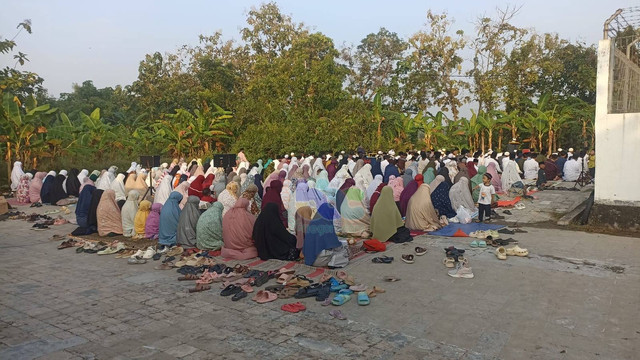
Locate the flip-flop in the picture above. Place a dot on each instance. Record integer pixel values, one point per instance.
(200, 287)
(294, 307)
(363, 299)
(165, 266)
(264, 297)
(324, 292)
(382, 260)
(359, 287)
(338, 314)
(391, 279)
(474, 244)
(345, 292)
(340, 299)
(287, 292)
(482, 244)
(238, 296)
(231, 290)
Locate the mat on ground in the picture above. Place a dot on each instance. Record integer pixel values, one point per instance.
(466, 229)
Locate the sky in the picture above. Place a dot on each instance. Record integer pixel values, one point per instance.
(104, 41)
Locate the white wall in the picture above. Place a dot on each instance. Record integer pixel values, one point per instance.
(617, 142)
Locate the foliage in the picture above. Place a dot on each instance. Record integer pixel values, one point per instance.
(283, 87)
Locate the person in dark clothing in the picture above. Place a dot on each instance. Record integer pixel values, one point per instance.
(550, 168)
(560, 163)
(541, 183)
(271, 238)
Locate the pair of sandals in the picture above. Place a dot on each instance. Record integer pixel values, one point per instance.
(382, 260)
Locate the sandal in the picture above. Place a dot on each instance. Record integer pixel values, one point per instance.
(340, 299)
(391, 279)
(449, 262)
(231, 290)
(363, 299)
(408, 259)
(294, 307)
(284, 278)
(474, 244)
(238, 296)
(188, 277)
(264, 296)
(501, 253)
(517, 251)
(286, 292)
(420, 251)
(383, 260)
(338, 314)
(200, 287)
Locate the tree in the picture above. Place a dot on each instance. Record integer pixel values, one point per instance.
(433, 63)
(494, 39)
(374, 67)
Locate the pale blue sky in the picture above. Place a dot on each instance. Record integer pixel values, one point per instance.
(104, 41)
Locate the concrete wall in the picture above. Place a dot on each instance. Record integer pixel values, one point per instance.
(617, 141)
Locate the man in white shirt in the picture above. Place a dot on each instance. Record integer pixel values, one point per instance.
(530, 167)
(571, 170)
(505, 159)
(384, 163)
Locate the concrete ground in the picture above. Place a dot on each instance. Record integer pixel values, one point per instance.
(575, 297)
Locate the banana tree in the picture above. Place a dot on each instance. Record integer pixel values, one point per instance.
(22, 128)
(490, 122)
(402, 131)
(431, 127)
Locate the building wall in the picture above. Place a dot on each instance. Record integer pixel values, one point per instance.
(617, 140)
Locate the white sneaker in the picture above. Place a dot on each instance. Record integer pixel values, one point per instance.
(163, 250)
(461, 271)
(138, 254)
(149, 253)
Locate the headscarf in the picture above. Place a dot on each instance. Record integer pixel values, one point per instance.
(385, 217)
(272, 239)
(471, 168)
(92, 221)
(429, 175)
(140, 220)
(437, 181)
(273, 196)
(219, 183)
(250, 193)
(129, 181)
(496, 181)
(355, 217)
(303, 216)
(82, 175)
(444, 172)
(373, 186)
(407, 177)
(183, 189)
(462, 172)
(420, 212)
(73, 184)
(169, 216)
(332, 169)
(152, 225)
(452, 167)
(104, 181)
(35, 186)
(359, 165)
(57, 192)
(83, 206)
(117, 186)
(209, 228)
(87, 181)
(476, 180)
(22, 192)
(320, 234)
(406, 195)
(141, 185)
(390, 170)
(47, 186)
(128, 213)
(510, 175)
(285, 193)
(419, 179)
(108, 214)
(16, 175)
(316, 197)
(270, 179)
(257, 180)
(342, 192)
(317, 165)
(187, 222)
(229, 197)
(397, 184)
(375, 197)
(163, 190)
(460, 195)
(237, 228)
(196, 186)
(376, 168)
(441, 202)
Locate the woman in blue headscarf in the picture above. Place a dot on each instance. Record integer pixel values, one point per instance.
(320, 234)
(169, 216)
(391, 169)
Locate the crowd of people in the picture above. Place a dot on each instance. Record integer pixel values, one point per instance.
(296, 205)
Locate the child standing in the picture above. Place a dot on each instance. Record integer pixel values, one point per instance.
(486, 198)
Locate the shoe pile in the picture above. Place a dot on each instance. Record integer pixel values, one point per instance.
(455, 259)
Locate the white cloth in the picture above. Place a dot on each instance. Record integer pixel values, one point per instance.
(531, 168)
(164, 189)
(64, 183)
(383, 165)
(117, 186)
(351, 164)
(510, 175)
(373, 186)
(83, 174)
(16, 174)
(339, 179)
(571, 170)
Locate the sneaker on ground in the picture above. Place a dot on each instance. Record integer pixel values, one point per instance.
(461, 271)
(138, 254)
(149, 253)
(163, 249)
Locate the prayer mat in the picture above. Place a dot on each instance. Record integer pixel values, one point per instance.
(505, 203)
(457, 229)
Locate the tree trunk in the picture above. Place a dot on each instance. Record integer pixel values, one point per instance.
(550, 142)
(490, 144)
(482, 142)
(499, 140)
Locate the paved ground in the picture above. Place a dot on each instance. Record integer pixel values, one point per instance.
(576, 297)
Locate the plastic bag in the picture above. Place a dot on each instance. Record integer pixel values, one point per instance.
(463, 215)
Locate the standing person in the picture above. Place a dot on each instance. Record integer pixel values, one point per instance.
(240, 158)
(562, 159)
(592, 164)
(485, 199)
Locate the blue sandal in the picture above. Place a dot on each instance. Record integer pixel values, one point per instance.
(340, 299)
(363, 298)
